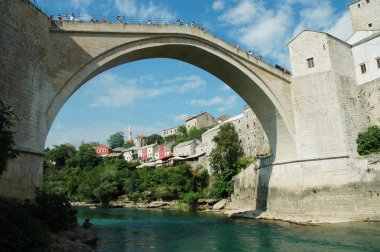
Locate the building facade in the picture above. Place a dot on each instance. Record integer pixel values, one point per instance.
(203, 120)
(131, 153)
(102, 150)
(365, 15)
(186, 149)
(169, 132)
(250, 132)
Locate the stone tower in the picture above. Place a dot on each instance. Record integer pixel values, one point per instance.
(129, 133)
(365, 15)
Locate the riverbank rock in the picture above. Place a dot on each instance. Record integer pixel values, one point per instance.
(84, 204)
(75, 239)
(157, 204)
(206, 204)
(220, 205)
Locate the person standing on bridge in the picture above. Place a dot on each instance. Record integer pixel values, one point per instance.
(72, 16)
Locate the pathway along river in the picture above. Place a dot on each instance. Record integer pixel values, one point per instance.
(122, 229)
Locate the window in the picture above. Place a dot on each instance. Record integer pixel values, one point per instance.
(378, 62)
(310, 62)
(367, 1)
(247, 126)
(359, 5)
(363, 68)
(370, 25)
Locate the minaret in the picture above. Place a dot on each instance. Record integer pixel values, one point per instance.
(129, 133)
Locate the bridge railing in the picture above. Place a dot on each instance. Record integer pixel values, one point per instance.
(82, 16)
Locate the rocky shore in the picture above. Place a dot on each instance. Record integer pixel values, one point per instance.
(74, 239)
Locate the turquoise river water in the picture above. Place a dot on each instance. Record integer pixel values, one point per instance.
(122, 229)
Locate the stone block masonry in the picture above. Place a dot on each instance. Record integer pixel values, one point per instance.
(24, 36)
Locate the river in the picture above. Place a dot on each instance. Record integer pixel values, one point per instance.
(121, 229)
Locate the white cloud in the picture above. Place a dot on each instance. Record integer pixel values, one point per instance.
(217, 100)
(223, 103)
(117, 91)
(191, 83)
(243, 13)
(218, 5)
(342, 29)
(267, 28)
(318, 16)
(132, 8)
(181, 117)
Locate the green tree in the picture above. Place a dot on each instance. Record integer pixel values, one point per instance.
(116, 140)
(195, 133)
(8, 120)
(154, 138)
(60, 154)
(182, 130)
(369, 141)
(128, 145)
(85, 156)
(224, 158)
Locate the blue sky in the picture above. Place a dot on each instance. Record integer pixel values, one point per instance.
(155, 94)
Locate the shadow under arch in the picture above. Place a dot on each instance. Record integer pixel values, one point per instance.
(213, 59)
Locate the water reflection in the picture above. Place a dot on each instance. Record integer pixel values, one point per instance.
(136, 230)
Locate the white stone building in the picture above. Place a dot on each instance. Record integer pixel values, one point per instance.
(251, 134)
(186, 149)
(169, 132)
(131, 153)
(326, 73)
(203, 120)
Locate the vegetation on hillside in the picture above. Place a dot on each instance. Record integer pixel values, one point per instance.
(225, 160)
(184, 136)
(111, 178)
(369, 141)
(27, 226)
(8, 120)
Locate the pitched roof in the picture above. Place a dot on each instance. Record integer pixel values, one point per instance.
(187, 143)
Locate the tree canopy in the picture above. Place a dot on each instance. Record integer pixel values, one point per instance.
(85, 156)
(224, 159)
(154, 138)
(8, 120)
(60, 154)
(116, 140)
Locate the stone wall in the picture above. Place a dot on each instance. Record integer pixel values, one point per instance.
(333, 190)
(24, 35)
(363, 14)
(369, 95)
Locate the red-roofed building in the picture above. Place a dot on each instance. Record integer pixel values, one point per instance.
(102, 150)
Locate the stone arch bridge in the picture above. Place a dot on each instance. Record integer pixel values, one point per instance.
(42, 65)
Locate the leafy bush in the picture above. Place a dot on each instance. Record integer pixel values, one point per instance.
(8, 120)
(190, 198)
(20, 230)
(221, 188)
(369, 141)
(135, 196)
(55, 210)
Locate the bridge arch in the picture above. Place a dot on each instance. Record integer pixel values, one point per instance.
(215, 59)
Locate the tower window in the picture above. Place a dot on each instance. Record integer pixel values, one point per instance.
(367, 1)
(363, 68)
(359, 5)
(370, 25)
(378, 62)
(310, 62)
